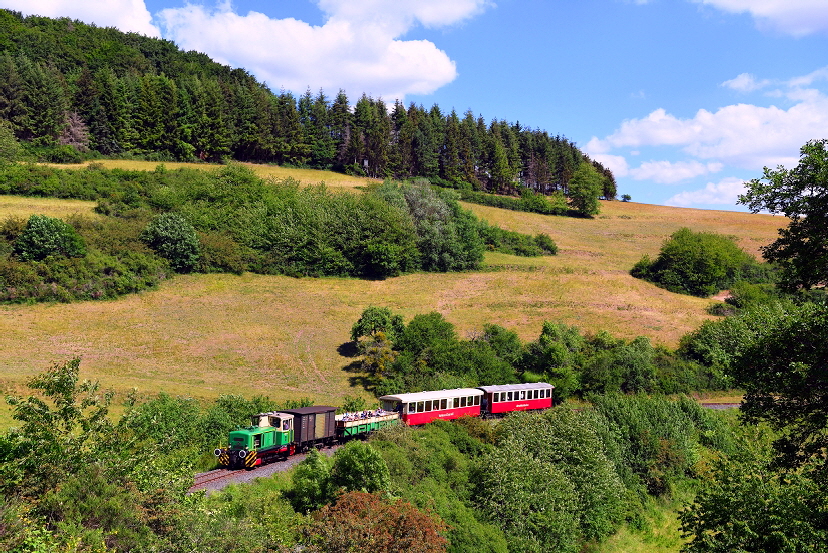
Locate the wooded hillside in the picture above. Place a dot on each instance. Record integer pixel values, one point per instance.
(64, 83)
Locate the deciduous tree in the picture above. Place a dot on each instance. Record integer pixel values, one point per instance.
(801, 194)
(365, 522)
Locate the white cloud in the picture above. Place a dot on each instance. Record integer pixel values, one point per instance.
(617, 164)
(744, 135)
(126, 15)
(357, 48)
(745, 83)
(795, 17)
(724, 192)
(820, 74)
(667, 172)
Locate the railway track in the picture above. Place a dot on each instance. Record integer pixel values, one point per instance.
(204, 478)
(215, 480)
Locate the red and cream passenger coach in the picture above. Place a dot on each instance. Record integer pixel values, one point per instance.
(517, 397)
(423, 407)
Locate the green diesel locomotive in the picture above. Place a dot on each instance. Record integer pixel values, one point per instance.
(276, 435)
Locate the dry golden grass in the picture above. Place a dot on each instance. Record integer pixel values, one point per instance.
(305, 176)
(17, 206)
(204, 335)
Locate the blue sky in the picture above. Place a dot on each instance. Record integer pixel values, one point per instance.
(683, 99)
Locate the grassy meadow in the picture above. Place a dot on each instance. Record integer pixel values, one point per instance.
(205, 335)
(306, 176)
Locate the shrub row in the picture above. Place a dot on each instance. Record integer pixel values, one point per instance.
(161, 222)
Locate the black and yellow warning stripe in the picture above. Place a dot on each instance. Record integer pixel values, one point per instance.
(250, 460)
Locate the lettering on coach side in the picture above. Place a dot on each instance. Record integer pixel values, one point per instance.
(445, 414)
(522, 405)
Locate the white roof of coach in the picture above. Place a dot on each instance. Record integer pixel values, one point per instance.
(439, 394)
(510, 387)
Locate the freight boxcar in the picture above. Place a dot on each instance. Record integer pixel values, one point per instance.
(313, 425)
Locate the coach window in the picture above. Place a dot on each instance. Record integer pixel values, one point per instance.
(444, 404)
(412, 407)
(428, 405)
(420, 406)
(462, 402)
(535, 394)
(523, 394)
(477, 400)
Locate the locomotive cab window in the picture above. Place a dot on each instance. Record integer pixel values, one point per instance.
(257, 441)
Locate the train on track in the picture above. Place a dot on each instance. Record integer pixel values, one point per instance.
(276, 435)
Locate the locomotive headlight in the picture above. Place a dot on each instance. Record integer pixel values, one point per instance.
(242, 454)
(217, 452)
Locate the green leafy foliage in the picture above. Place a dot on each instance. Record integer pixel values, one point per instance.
(511, 485)
(378, 319)
(46, 236)
(174, 239)
(529, 201)
(782, 371)
(60, 431)
(800, 194)
(231, 220)
(585, 187)
(657, 439)
(428, 356)
(564, 439)
(698, 263)
(311, 483)
(9, 146)
(747, 504)
(359, 467)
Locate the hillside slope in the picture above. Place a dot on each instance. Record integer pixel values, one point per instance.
(204, 335)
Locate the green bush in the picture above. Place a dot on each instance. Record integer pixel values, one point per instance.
(359, 467)
(311, 483)
(698, 263)
(510, 485)
(174, 239)
(46, 236)
(566, 439)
